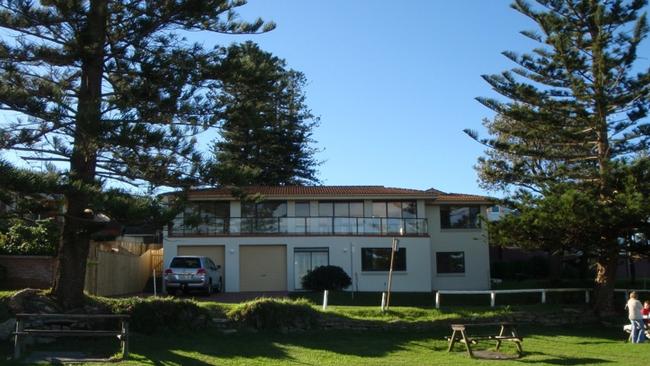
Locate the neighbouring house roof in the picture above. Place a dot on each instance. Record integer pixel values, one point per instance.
(462, 198)
(432, 195)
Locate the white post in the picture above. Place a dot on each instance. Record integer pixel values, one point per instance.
(543, 297)
(438, 300)
(493, 296)
(155, 291)
(325, 295)
(383, 301)
(586, 296)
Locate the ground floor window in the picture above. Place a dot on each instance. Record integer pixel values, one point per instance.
(450, 262)
(305, 260)
(378, 259)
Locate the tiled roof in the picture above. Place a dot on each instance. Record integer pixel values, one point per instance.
(432, 195)
(315, 191)
(460, 197)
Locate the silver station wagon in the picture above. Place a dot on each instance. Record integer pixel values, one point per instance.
(187, 273)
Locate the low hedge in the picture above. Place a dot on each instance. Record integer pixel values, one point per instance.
(268, 313)
(156, 314)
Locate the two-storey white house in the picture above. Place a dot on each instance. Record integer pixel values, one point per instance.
(269, 245)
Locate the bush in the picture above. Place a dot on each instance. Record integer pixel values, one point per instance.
(40, 238)
(156, 314)
(326, 278)
(3, 275)
(535, 267)
(266, 313)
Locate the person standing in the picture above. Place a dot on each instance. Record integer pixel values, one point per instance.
(636, 318)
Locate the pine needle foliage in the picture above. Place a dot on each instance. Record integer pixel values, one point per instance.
(573, 135)
(109, 90)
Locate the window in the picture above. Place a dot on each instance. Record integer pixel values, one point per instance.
(356, 209)
(202, 218)
(305, 260)
(325, 209)
(185, 262)
(264, 209)
(302, 209)
(495, 209)
(302, 213)
(379, 209)
(460, 217)
(394, 209)
(450, 262)
(378, 259)
(263, 217)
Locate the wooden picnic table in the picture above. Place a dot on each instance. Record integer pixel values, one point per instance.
(24, 319)
(503, 332)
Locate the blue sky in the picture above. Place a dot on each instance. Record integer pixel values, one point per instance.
(394, 82)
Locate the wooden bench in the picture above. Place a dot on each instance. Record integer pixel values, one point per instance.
(506, 332)
(23, 332)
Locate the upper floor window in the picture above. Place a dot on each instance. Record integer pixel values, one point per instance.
(302, 209)
(395, 209)
(202, 217)
(340, 209)
(264, 209)
(460, 217)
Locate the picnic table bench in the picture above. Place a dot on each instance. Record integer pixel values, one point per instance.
(22, 332)
(506, 332)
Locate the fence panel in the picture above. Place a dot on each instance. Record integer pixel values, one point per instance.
(111, 273)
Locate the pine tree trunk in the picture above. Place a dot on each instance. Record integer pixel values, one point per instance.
(77, 228)
(605, 281)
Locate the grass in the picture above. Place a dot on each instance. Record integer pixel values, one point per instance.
(543, 346)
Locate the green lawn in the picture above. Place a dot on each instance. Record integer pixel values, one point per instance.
(542, 346)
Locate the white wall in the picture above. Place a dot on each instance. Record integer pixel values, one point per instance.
(344, 252)
(473, 242)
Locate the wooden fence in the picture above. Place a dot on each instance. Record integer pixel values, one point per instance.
(119, 272)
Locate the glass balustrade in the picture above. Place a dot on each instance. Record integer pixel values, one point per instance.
(368, 226)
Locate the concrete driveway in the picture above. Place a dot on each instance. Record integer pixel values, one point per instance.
(235, 297)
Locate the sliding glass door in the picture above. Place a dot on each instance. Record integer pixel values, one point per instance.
(305, 260)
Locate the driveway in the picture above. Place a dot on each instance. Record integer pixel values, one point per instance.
(235, 297)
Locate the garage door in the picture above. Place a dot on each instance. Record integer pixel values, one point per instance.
(214, 252)
(262, 268)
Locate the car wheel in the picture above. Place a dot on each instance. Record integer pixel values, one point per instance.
(208, 291)
(171, 292)
(220, 285)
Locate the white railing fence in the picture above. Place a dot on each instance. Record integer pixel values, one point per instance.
(543, 291)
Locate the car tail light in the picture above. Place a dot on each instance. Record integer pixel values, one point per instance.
(201, 271)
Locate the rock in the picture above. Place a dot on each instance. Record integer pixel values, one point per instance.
(6, 328)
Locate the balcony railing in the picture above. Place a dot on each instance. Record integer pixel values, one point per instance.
(344, 226)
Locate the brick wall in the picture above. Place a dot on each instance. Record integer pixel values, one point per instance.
(27, 271)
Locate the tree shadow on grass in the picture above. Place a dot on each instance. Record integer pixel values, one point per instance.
(210, 346)
(547, 359)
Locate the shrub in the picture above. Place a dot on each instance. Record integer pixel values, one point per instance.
(3, 275)
(535, 267)
(326, 278)
(40, 238)
(155, 314)
(266, 313)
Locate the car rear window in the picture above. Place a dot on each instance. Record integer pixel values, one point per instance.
(185, 263)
